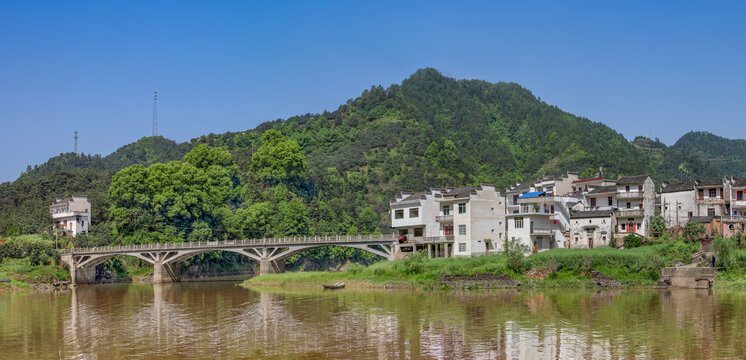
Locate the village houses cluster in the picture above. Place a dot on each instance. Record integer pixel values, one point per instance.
(565, 212)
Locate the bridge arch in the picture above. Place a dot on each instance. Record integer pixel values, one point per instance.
(383, 251)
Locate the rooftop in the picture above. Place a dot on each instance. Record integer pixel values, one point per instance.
(677, 187)
(590, 214)
(602, 190)
(632, 180)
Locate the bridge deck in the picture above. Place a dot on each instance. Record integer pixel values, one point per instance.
(247, 243)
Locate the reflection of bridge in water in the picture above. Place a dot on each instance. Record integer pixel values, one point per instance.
(269, 253)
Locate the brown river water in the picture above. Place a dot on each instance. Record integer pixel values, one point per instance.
(220, 320)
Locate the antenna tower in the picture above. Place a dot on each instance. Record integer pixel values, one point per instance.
(155, 113)
(76, 141)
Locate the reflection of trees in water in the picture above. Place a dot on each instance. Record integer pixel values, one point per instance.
(211, 321)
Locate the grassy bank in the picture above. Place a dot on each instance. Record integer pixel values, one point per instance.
(27, 261)
(567, 268)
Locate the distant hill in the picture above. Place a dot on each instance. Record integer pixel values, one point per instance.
(728, 155)
(146, 151)
(430, 130)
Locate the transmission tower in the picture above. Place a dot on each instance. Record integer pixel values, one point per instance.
(76, 141)
(155, 113)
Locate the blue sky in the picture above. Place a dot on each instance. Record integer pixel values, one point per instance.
(655, 69)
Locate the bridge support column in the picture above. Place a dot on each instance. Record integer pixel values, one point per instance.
(83, 275)
(164, 273)
(271, 267)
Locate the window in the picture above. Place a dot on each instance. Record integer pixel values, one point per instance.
(462, 229)
(461, 247)
(462, 208)
(701, 194)
(417, 232)
(739, 195)
(639, 188)
(690, 214)
(519, 223)
(640, 206)
(713, 193)
(398, 214)
(446, 209)
(710, 211)
(626, 188)
(611, 201)
(629, 205)
(448, 230)
(593, 202)
(623, 227)
(576, 239)
(515, 199)
(414, 212)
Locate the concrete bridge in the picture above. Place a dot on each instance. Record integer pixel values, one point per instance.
(269, 253)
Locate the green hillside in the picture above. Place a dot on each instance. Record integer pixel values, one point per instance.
(728, 155)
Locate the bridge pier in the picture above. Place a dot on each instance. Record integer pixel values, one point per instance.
(164, 273)
(271, 266)
(83, 275)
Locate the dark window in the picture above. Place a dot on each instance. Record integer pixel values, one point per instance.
(593, 201)
(418, 232)
(639, 188)
(690, 214)
(626, 188)
(640, 206)
(414, 212)
(515, 199)
(446, 209)
(710, 211)
(629, 205)
(398, 214)
(739, 195)
(713, 193)
(462, 208)
(611, 201)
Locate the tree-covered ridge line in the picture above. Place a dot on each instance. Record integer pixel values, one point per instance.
(428, 131)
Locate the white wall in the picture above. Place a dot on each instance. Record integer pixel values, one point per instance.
(676, 206)
(602, 232)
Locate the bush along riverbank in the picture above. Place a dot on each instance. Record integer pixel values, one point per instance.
(556, 268)
(30, 262)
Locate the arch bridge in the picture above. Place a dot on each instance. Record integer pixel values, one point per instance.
(270, 253)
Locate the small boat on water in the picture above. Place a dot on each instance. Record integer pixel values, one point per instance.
(334, 286)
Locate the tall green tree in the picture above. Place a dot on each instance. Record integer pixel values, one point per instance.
(278, 159)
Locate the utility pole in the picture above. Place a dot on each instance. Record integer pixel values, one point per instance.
(76, 142)
(155, 113)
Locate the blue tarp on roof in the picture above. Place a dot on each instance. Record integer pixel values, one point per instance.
(532, 194)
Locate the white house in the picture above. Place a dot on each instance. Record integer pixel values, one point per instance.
(475, 217)
(72, 215)
(636, 206)
(542, 221)
(413, 214)
(677, 203)
(591, 228)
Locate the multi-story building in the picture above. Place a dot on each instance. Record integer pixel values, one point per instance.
(71, 215)
(475, 217)
(512, 194)
(678, 203)
(583, 186)
(601, 197)
(591, 228)
(711, 198)
(735, 222)
(466, 221)
(542, 221)
(636, 206)
(413, 214)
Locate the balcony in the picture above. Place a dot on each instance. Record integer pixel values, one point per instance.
(624, 212)
(542, 231)
(738, 203)
(444, 218)
(713, 200)
(629, 195)
(733, 218)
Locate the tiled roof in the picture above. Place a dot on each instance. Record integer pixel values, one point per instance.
(415, 196)
(676, 187)
(710, 182)
(632, 180)
(602, 190)
(700, 219)
(460, 192)
(590, 214)
(739, 182)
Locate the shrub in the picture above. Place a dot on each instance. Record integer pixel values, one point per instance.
(414, 263)
(355, 268)
(725, 251)
(693, 231)
(632, 241)
(515, 254)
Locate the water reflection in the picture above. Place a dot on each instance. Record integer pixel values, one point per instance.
(221, 320)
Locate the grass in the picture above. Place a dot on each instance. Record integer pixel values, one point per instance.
(571, 268)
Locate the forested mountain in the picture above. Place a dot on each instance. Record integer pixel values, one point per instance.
(430, 130)
(728, 155)
(145, 151)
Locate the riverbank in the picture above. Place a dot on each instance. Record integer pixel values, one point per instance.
(557, 268)
(29, 262)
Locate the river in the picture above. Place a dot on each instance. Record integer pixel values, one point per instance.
(220, 320)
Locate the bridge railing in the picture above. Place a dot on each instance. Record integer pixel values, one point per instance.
(331, 239)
